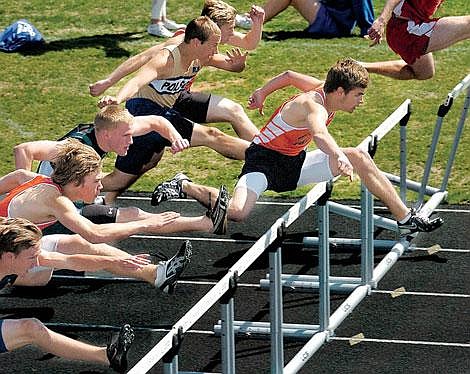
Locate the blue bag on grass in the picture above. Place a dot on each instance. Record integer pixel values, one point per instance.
(20, 35)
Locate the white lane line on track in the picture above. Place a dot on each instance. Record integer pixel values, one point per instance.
(288, 204)
(413, 342)
(436, 294)
(254, 285)
(246, 241)
(211, 283)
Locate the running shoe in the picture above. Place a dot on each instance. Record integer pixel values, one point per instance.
(118, 348)
(171, 189)
(170, 270)
(417, 224)
(218, 214)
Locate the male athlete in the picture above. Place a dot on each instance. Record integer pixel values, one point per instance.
(276, 159)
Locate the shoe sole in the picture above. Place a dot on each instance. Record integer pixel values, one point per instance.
(121, 354)
(170, 283)
(220, 221)
(155, 201)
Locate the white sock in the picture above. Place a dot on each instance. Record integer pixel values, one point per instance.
(407, 217)
(160, 276)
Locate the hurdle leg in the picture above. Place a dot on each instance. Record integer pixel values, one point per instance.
(275, 304)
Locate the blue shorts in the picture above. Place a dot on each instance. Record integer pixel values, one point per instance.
(331, 23)
(3, 349)
(145, 146)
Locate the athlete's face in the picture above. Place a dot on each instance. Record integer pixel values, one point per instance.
(120, 138)
(209, 48)
(226, 32)
(91, 186)
(25, 260)
(353, 99)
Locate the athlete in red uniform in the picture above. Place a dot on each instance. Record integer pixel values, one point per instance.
(414, 35)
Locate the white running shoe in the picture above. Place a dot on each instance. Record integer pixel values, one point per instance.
(172, 25)
(170, 270)
(157, 29)
(243, 21)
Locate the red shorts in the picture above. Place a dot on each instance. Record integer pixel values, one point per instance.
(409, 39)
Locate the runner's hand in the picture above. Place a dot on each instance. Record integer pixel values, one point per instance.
(256, 101)
(107, 100)
(376, 32)
(345, 167)
(157, 221)
(179, 145)
(97, 88)
(236, 57)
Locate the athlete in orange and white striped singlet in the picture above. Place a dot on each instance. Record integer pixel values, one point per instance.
(6, 203)
(279, 136)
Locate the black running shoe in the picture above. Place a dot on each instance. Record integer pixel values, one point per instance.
(173, 268)
(417, 224)
(218, 214)
(171, 189)
(118, 348)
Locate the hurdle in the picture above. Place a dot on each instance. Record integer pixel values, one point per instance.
(167, 349)
(271, 240)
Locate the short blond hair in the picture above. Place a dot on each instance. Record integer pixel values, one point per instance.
(74, 162)
(219, 12)
(17, 234)
(110, 116)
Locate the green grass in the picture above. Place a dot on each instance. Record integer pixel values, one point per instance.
(43, 95)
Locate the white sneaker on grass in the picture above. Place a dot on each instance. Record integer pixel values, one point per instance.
(172, 25)
(157, 29)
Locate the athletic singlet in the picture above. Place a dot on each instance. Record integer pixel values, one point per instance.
(417, 10)
(165, 91)
(86, 136)
(36, 181)
(279, 136)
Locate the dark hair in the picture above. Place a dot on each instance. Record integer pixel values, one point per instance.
(200, 28)
(348, 74)
(17, 234)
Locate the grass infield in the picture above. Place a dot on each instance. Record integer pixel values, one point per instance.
(44, 94)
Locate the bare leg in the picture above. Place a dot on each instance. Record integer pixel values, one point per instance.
(422, 69)
(225, 110)
(19, 333)
(240, 205)
(448, 31)
(375, 181)
(200, 193)
(224, 144)
(116, 182)
(307, 8)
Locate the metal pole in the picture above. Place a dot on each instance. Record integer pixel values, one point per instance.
(403, 123)
(458, 135)
(275, 305)
(367, 235)
(228, 335)
(324, 258)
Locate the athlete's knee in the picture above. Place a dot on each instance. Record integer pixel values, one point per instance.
(425, 74)
(31, 329)
(238, 214)
(213, 134)
(359, 158)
